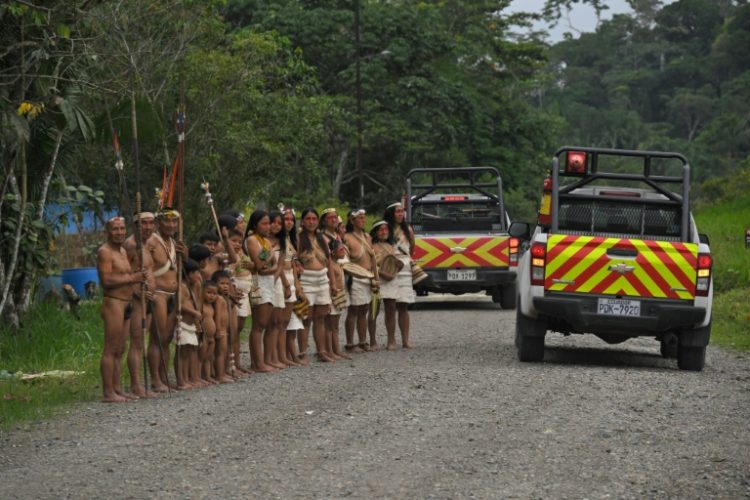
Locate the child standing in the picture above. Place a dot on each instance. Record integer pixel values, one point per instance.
(186, 366)
(226, 324)
(210, 296)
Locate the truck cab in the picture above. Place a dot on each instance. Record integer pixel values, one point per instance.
(461, 232)
(618, 255)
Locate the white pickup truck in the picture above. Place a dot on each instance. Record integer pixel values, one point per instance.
(616, 254)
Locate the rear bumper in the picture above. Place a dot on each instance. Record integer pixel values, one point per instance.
(487, 278)
(579, 313)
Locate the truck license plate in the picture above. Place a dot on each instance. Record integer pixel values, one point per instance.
(462, 274)
(619, 307)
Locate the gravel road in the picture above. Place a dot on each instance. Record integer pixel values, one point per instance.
(456, 417)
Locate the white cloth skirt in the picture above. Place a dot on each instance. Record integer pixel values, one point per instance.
(400, 287)
(316, 286)
(245, 285)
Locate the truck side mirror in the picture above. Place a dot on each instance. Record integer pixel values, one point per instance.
(520, 230)
(703, 238)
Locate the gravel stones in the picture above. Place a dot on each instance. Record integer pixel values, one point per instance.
(456, 417)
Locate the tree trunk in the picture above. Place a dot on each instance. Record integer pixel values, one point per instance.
(340, 173)
(11, 270)
(24, 294)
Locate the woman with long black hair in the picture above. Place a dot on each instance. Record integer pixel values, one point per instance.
(318, 284)
(259, 249)
(294, 325)
(403, 243)
(276, 350)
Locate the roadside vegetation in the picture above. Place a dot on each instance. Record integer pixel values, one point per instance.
(725, 221)
(52, 339)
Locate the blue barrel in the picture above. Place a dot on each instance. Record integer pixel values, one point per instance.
(78, 277)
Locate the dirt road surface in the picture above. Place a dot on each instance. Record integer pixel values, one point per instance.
(456, 417)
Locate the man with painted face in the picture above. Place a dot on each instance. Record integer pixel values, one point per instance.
(164, 252)
(118, 282)
(146, 224)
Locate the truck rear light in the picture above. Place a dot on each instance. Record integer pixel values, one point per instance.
(703, 283)
(545, 207)
(538, 253)
(575, 163)
(513, 251)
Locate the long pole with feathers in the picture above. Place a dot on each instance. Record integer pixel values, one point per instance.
(180, 164)
(139, 240)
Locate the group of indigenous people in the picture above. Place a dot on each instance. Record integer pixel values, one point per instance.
(282, 278)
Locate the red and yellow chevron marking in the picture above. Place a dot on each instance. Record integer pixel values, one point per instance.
(477, 252)
(661, 269)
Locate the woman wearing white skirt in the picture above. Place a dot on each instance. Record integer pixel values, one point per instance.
(294, 325)
(402, 290)
(266, 270)
(316, 279)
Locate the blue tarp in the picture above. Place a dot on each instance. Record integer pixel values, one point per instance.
(62, 217)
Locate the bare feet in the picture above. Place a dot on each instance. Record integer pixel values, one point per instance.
(324, 357)
(140, 392)
(374, 347)
(408, 345)
(123, 394)
(391, 346)
(304, 359)
(265, 369)
(364, 347)
(114, 398)
(226, 380)
(342, 355)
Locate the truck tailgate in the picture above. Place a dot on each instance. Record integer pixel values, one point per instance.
(621, 267)
(462, 251)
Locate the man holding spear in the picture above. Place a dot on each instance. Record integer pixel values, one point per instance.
(145, 222)
(166, 254)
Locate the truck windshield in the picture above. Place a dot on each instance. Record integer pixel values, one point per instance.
(619, 219)
(452, 216)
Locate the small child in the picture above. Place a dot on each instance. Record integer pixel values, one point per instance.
(202, 255)
(221, 254)
(225, 327)
(186, 368)
(210, 297)
(211, 240)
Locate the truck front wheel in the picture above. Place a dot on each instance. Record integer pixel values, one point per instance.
(529, 337)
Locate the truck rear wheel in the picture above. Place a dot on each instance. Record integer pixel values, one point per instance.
(529, 337)
(508, 297)
(691, 358)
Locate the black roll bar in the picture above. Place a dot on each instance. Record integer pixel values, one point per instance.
(471, 173)
(653, 181)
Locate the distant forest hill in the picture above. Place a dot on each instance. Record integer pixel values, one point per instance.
(673, 78)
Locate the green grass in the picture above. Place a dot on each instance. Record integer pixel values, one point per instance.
(731, 319)
(51, 339)
(725, 223)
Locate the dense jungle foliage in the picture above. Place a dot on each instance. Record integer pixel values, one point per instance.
(295, 101)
